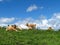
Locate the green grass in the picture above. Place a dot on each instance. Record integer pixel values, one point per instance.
(29, 37)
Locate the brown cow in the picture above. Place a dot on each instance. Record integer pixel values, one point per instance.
(11, 27)
(31, 26)
(49, 28)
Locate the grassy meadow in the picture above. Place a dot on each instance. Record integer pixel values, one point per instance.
(29, 37)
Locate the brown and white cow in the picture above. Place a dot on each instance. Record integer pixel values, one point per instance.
(31, 26)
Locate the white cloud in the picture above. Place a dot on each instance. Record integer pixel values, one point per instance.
(31, 8)
(6, 21)
(3, 24)
(42, 23)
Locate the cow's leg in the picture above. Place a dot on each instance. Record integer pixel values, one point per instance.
(15, 29)
(30, 28)
(6, 29)
(20, 28)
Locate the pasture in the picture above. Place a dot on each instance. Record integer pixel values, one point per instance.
(29, 37)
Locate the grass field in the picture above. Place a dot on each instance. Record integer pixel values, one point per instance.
(29, 37)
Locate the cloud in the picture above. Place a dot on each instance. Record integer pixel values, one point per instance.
(3, 24)
(43, 22)
(6, 21)
(55, 20)
(31, 8)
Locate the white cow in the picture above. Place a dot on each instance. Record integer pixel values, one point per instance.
(23, 26)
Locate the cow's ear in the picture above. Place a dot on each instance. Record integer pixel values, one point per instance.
(8, 25)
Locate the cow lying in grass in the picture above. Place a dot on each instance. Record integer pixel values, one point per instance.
(12, 27)
(49, 28)
(31, 26)
(19, 27)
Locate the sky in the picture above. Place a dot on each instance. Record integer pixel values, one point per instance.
(44, 13)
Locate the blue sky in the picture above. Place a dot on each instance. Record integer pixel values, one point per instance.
(23, 11)
(17, 8)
